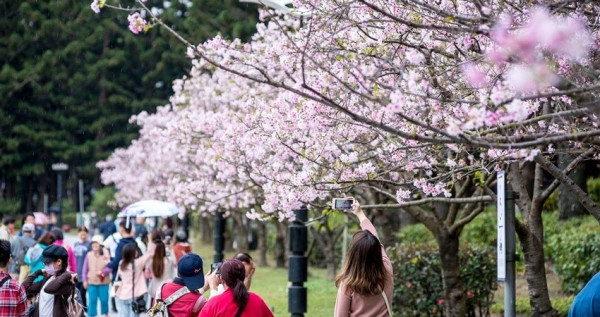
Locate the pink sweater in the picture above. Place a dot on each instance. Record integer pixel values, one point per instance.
(137, 282)
(72, 261)
(350, 304)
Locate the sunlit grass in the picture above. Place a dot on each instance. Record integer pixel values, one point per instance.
(271, 284)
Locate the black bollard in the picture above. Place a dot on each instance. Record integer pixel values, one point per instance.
(298, 264)
(219, 237)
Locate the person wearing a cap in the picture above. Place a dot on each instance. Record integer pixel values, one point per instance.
(236, 300)
(56, 286)
(19, 248)
(93, 279)
(190, 275)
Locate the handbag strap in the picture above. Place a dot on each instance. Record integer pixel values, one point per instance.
(133, 280)
(387, 304)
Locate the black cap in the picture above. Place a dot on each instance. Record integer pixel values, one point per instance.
(53, 253)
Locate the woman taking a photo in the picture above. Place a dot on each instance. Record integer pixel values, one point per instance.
(56, 286)
(133, 282)
(366, 283)
(161, 267)
(236, 300)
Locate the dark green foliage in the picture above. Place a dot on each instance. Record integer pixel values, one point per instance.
(573, 246)
(103, 201)
(418, 289)
(70, 79)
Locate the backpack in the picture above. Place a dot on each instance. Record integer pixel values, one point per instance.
(75, 307)
(20, 256)
(160, 307)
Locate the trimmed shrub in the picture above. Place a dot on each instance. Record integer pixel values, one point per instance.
(573, 246)
(418, 289)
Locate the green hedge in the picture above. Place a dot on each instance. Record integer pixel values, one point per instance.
(418, 289)
(573, 246)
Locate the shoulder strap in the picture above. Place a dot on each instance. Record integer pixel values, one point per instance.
(387, 304)
(175, 296)
(4, 280)
(133, 280)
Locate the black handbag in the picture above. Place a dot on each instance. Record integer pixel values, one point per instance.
(138, 304)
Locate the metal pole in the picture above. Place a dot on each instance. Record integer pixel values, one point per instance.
(219, 238)
(298, 264)
(80, 216)
(59, 199)
(509, 284)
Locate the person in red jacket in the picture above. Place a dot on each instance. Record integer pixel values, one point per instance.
(236, 300)
(190, 284)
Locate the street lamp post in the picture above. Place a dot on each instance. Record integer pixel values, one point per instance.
(59, 168)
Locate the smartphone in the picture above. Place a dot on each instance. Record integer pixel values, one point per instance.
(342, 203)
(215, 267)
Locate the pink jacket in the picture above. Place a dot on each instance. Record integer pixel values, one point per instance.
(72, 261)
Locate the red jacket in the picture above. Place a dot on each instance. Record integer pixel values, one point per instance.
(188, 305)
(224, 306)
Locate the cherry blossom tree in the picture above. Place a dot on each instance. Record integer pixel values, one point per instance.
(419, 101)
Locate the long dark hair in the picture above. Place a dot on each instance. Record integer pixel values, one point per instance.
(158, 259)
(363, 271)
(128, 254)
(233, 274)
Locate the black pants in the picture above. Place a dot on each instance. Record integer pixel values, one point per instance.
(83, 292)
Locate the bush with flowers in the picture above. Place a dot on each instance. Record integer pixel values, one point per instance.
(418, 289)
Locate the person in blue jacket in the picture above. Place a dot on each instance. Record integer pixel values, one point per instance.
(587, 302)
(127, 236)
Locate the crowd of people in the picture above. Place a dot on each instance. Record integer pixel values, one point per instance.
(41, 275)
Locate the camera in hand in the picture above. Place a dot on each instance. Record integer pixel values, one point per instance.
(215, 267)
(342, 204)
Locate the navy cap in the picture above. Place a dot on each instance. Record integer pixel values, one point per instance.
(189, 269)
(53, 253)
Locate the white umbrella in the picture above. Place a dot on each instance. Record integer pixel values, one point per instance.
(151, 208)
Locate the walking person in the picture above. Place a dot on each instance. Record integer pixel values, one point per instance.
(80, 251)
(30, 218)
(127, 237)
(161, 267)
(57, 232)
(19, 248)
(236, 300)
(56, 286)
(133, 282)
(94, 281)
(366, 283)
(108, 226)
(33, 257)
(13, 299)
(7, 230)
(182, 246)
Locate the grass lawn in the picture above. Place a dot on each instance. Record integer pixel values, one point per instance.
(271, 284)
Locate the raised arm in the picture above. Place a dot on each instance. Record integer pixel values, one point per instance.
(365, 224)
(61, 285)
(33, 288)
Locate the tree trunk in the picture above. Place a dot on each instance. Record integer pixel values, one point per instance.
(535, 274)
(568, 204)
(207, 230)
(280, 245)
(262, 244)
(240, 232)
(326, 241)
(454, 295)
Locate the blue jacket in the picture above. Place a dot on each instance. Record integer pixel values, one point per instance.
(587, 302)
